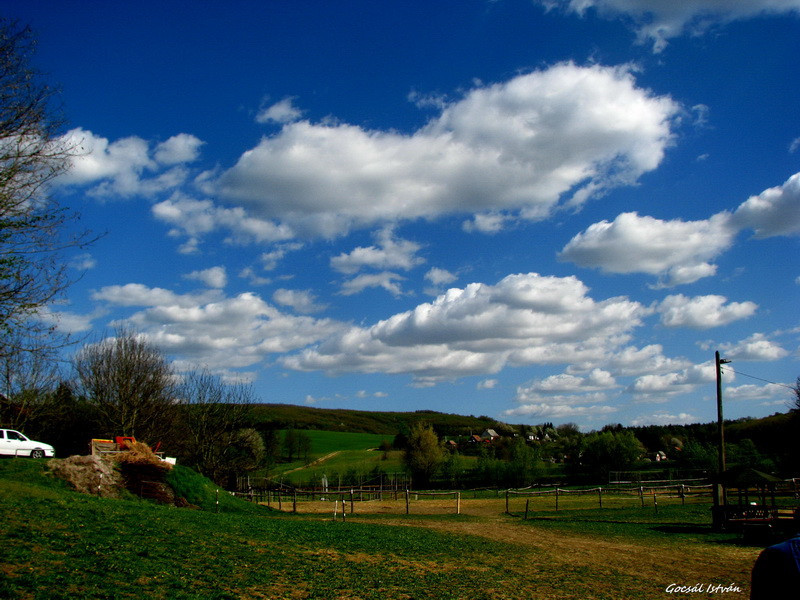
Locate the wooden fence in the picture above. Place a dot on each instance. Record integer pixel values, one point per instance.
(343, 502)
(644, 493)
(283, 497)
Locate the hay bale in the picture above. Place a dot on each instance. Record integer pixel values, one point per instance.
(144, 473)
(88, 475)
(136, 469)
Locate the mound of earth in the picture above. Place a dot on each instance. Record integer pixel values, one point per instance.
(137, 469)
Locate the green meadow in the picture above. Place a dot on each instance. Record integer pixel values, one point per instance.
(59, 544)
(336, 453)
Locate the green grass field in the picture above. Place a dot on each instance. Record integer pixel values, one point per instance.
(58, 544)
(336, 453)
(325, 442)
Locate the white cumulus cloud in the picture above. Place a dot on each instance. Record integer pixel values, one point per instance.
(302, 301)
(214, 277)
(755, 347)
(181, 148)
(678, 251)
(385, 280)
(479, 329)
(658, 388)
(127, 166)
(657, 21)
(514, 146)
(281, 112)
(389, 253)
(223, 333)
(702, 312)
(775, 211)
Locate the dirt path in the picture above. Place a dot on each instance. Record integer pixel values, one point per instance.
(319, 461)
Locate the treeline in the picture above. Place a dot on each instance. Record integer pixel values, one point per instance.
(563, 454)
(284, 416)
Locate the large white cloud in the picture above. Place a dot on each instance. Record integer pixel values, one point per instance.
(520, 146)
(195, 218)
(755, 347)
(659, 20)
(128, 166)
(221, 332)
(561, 408)
(138, 294)
(659, 388)
(702, 312)
(567, 383)
(479, 329)
(773, 212)
(664, 418)
(678, 251)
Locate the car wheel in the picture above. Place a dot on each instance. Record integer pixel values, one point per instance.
(37, 454)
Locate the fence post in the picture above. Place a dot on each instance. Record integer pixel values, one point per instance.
(683, 494)
(458, 503)
(406, 501)
(600, 496)
(335, 510)
(527, 504)
(655, 501)
(352, 506)
(507, 492)
(556, 498)
(641, 495)
(294, 501)
(216, 508)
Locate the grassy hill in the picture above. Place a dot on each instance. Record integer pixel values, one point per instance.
(334, 453)
(282, 416)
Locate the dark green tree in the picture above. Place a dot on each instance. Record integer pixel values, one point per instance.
(424, 454)
(610, 451)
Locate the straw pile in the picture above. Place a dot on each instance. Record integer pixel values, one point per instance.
(136, 469)
(88, 475)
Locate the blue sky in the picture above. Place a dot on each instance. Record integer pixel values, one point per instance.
(533, 210)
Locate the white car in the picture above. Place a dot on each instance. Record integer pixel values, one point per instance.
(13, 443)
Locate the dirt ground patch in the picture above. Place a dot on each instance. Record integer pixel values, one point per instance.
(88, 475)
(658, 563)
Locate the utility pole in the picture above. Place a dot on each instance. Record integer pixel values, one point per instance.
(720, 425)
(720, 502)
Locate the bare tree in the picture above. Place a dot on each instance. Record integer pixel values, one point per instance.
(214, 418)
(796, 395)
(131, 384)
(32, 153)
(28, 381)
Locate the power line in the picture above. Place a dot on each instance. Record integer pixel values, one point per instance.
(759, 378)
